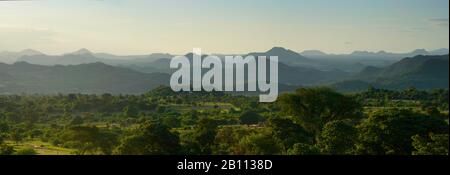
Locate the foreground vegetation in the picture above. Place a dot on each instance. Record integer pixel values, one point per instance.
(309, 121)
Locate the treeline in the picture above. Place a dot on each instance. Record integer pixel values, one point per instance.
(437, 98)
(309, 121)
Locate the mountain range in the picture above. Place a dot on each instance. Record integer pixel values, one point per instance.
(379, 54)
(422, 72)
(11, 57)
(86, 72)
(84, 56)
(358, 60)
(313, 58)
(92, 78)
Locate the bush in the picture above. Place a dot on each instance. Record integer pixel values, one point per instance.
(6, 149)
(26, 151)
(303, 149)
(250, 118)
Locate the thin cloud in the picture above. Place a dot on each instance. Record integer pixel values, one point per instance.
(440, 22)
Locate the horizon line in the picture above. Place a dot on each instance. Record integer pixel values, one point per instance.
(212, 53)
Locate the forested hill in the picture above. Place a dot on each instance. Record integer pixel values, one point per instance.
(23, 77)
(422, 72)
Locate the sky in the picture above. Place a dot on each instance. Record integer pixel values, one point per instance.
(223, 26)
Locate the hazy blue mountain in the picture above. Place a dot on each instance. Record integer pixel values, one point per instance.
(304, 76)
(374, 55)
(289, 75)
(82, 51)
(11, 57)
(419, 52)
(308, 53)
(377, 68)
(296, 75)
(420, 72)
(161, 65)
(23, 77)
(442, 51)
(384, 54)
(309, 58)
(118, 57)
(285, 56)
(67, 59)
(84, 56)
(357, 60)
(425, 65)
(124, 59)
(423, 72)
(369, 72)
(132, 60)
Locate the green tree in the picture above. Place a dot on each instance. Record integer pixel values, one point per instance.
(391, 131)
(435, 144)
(150, 139)
(337, 137)
(314, 107)
(17, 135)
(171, 121)
(205, 134)
(4, 127)
(304, 149)
(250, 118)
(107, 141)
(76, 121)
(6, 149)
(289, 133)
(83, 138)
(130, 111)
(190, 118)
(433, 111)
(261, 143)
(26, 151)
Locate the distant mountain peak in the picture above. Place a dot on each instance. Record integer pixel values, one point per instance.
(168, 55)
(191, 55)
(359, 52)
(82, 51)
(313, 52)
(284, 55)
(420, 52)
(30, 52)
(382, 52)
(279, 49)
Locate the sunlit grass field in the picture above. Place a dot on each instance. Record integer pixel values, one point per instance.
(41, 148)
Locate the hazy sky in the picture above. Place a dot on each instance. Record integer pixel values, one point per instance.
(223, 26)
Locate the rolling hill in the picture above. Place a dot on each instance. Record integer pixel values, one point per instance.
(86, 72)
(11, 57)
(92, 78)
(422, 72)
(285, 56)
